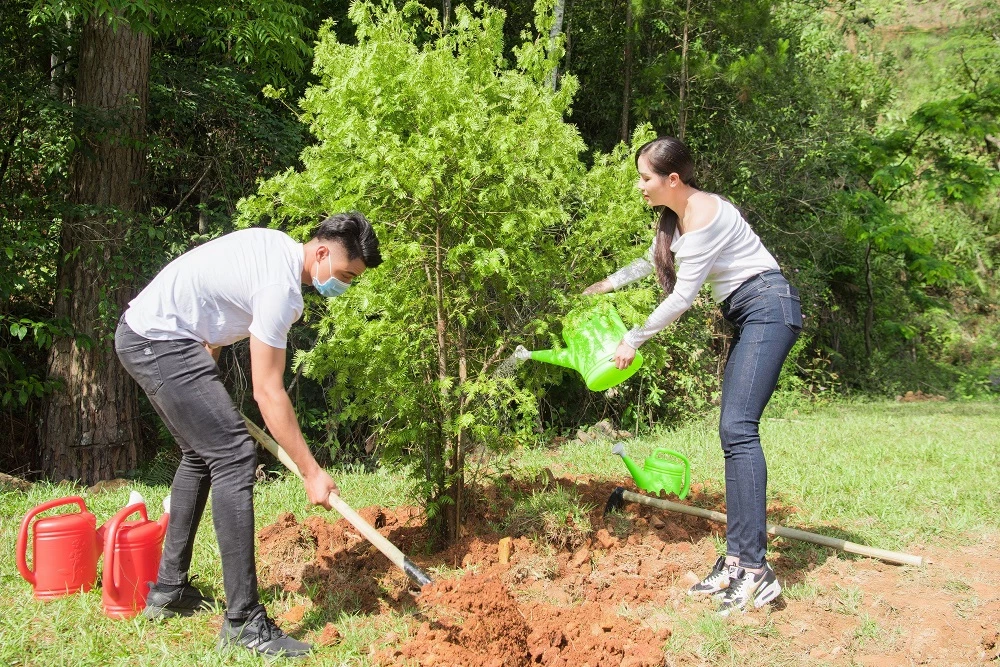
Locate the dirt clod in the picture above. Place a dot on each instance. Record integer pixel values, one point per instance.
(14, 483)
(329, 635)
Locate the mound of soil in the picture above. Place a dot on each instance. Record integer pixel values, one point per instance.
(332, 562)
(613, 601)
(478, 623)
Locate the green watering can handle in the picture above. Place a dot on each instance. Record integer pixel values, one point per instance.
(687, 466)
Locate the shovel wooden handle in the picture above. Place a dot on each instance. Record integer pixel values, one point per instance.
(385, 546)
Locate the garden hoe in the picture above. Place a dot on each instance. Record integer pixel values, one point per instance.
(385, 546)
(620, 496)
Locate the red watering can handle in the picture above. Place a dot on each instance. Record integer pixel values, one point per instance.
(111, 538)
(22, 537)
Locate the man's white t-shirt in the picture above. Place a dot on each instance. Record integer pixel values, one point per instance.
(246, 282)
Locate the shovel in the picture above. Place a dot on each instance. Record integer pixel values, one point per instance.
(390, 551)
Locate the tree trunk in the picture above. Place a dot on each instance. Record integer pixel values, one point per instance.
(445, 13)
(568, 25)
(682, 112)
(627, 90)
(457, 490)
(558, 12)
(446, 524)
(90, 430)
(870, 310)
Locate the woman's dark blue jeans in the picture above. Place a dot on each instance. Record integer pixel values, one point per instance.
(767, 317)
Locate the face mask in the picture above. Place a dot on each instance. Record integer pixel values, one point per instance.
(332, 287)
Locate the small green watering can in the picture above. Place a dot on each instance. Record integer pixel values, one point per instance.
(657, 473)
(591, 336)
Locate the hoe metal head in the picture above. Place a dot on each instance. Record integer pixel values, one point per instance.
(615, 501)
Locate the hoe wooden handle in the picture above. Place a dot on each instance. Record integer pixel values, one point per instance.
(793, 533)
(385, 546)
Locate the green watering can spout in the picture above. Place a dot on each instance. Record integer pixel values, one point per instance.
(559, 357)
(592, 337)
(636, 471)
(658, 472)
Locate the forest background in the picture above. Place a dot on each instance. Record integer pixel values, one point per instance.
(492, 147)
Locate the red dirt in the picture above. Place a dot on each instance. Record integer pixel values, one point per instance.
(329, 636)
(334, 560)
(614, 600)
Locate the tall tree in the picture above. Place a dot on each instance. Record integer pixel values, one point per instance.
(464, 165)
(90, 427)
(90, 430)
(683, 84)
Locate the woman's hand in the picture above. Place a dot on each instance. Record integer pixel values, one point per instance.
(624, 356)
(600, 287)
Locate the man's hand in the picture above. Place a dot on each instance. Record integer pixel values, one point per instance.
(624, 356)
(319, 485)
(600, 287)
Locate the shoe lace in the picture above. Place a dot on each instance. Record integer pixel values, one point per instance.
(269, 630)
(716, 575)
(739, 589)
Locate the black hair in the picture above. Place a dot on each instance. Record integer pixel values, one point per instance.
(353, 231)
(667, 155)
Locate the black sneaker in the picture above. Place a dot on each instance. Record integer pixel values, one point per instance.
(164, 601)
(261, 634)
(747, 587)
(715, 583)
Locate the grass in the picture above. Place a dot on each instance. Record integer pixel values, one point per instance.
(887, 474)
(554, 516)
(73, 631)
(883, 473)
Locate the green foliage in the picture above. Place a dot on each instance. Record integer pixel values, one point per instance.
(35, 148)
(862, 147)
(272, 36)
(464, 165)
(210, 138)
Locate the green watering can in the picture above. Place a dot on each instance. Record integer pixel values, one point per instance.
(657, 473)
(591, 336)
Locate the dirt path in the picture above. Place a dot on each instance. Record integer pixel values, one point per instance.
(619, 600)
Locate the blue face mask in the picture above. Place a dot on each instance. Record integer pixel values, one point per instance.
(332, 287)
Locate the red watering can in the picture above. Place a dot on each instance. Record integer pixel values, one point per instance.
(131, 559)
(64, 550)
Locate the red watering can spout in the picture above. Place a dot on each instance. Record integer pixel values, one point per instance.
(164, 518)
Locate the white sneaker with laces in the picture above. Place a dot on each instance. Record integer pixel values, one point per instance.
(715, 582)
(747, 587)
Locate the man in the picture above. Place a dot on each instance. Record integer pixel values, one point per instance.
(247, 283)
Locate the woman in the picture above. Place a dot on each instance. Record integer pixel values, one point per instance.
(701, 236)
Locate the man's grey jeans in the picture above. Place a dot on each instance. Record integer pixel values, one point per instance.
(183, 383)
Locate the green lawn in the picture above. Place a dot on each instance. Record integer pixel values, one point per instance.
(889, 473)
(884, 473)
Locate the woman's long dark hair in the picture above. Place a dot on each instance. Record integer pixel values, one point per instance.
(667, 155)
